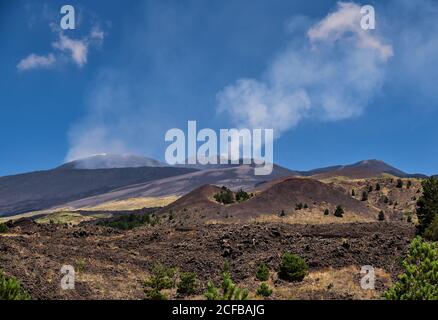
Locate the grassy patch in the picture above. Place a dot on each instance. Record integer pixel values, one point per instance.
(130, 221)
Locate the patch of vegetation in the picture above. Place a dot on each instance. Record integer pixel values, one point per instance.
(128, 222)
(161, 278)
(187, 283)
(80, 265)
(292, 267)
(353, 193)
(378, 187)
(381, 216)
(282, 213)
(262, 273)
(420, 280)
(225, 196)
(243, 196)
(10, 289)
(306, 206)
(339, 212)
(370, 189)
(399, 183)
(409, 184)
(431, 231)
(364, 196)
(299, 206)
(3, 228)
(326, 212)
(228, 290)
(427, 206)
(264, 290)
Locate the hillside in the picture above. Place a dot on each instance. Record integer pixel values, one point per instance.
(281, 196)
(44, 189)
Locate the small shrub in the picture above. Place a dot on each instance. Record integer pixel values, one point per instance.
(292, 267)
(161, 278)
(339, 212)
(370, 189)
(229, 290)
(225, 196)
(409, 184)
(399, 183)
(282, 213)
(264, 290)
(187, 283)
(10, 289)
(420, 280)
(326, 212)
(381, 216)
(262, 273)
(3, 228)
(299, 206)
(242, 196)
(364, 196)
(306, 206)
(378, 187)
(353, 193)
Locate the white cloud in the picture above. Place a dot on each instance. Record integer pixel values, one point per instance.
(78, 49)
(331, 75)
(337, 25)
(34, 61)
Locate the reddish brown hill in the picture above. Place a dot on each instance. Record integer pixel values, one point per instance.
(283, 195)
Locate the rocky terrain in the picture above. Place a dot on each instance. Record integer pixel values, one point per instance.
(113, 264)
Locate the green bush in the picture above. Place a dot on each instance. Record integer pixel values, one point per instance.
(229, 291)
(399, 183)
(10, 289)
(299, 206)
(292, 268)
(187, 283)
(161, 278)
(339, 212)
(364, 196)
(431, 232)
(381, 216)
(427, 204)
(262, 273)
(242, 196)
(264, 290)
(3, 228)
(420, 280)
(225, 196)
(378, 187)
(326, 212)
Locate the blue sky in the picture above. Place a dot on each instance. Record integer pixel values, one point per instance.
(153, 65)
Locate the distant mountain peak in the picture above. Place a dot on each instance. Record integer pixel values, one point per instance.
(111, 161)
